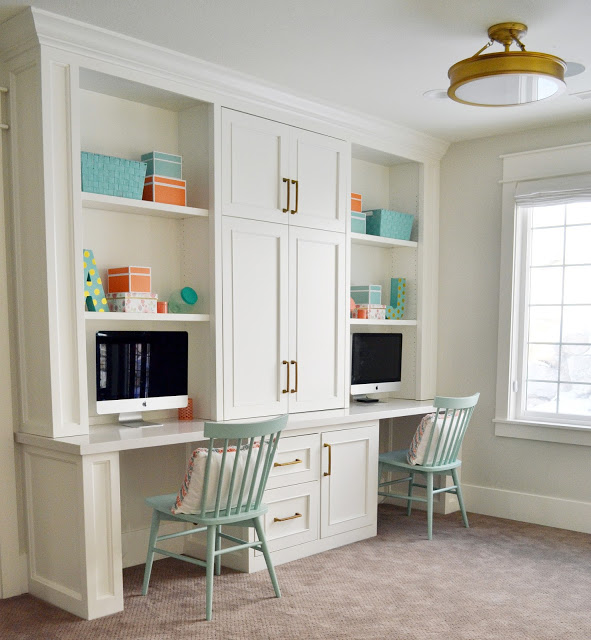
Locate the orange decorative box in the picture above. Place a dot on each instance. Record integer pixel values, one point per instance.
(356, 202)
(130, 280)
(165, 190)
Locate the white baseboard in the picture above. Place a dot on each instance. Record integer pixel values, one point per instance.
(574, 515)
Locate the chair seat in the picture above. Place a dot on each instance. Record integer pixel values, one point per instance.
(399, 459)
(164, 503)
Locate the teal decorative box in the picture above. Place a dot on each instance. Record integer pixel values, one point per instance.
(112, 176)
(367, 294)
(389, 224)
(166, 165)
(357, 222)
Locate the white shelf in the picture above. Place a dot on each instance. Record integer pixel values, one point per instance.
(378, 241)
(142, 207)
(390, 323)
(118, 316)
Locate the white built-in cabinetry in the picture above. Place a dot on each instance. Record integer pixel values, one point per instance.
(283, 273)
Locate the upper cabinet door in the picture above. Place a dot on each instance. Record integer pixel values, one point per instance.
(255, 158)
(255, 318)
(276, 173)
(317, 318)
(317, 165)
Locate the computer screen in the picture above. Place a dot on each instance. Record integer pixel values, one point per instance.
(376, 362)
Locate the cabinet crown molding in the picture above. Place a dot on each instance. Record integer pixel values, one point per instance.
(35, 26)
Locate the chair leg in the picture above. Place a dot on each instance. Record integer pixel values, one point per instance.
(209, 570)
(150, 555)
(263, 540)
(410, 487)
(454, 475)
(218, 546)
(430, 506)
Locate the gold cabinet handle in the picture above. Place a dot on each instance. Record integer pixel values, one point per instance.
(286, 390)
(297, 186)
(329, 459)
(295, 515)
(296, 376)
(286, 180)
(286, 464)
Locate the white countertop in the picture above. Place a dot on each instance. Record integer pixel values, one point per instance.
(112, 437)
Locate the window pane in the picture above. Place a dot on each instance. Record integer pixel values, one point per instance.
(575, 364)
(541, 396)
(547, 246)
(546, 285)
(544, 324)
(578, 243)
(542, 362)
(577, 285)
(548, 216)
(578, 213)
(576, 324)
(575, 399)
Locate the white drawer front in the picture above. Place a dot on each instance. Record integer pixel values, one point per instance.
(293, 515)
(297, 460)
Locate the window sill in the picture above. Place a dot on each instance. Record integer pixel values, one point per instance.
(564, 434)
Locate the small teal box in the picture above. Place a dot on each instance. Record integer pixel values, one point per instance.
(163, 164)
(367, 294)
(357, 222)
(389, 224)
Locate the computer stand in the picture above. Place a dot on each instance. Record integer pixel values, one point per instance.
(365, 399)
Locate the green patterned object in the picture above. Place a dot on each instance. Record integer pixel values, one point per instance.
(397, 299)
(112, 176)
(389, 224)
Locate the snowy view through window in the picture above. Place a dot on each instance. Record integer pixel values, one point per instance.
(558, 311)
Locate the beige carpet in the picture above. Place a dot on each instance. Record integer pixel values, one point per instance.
(499, 580)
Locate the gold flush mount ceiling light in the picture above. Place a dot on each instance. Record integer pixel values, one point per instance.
(507, 78)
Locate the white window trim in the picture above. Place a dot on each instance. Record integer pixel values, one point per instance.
(531, 165)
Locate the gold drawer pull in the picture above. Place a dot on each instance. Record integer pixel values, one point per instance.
(296, 515)
(286, 180)
(285, 464)
(329, 459)
(286, 390)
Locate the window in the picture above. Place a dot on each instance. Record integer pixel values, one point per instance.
(553, 372)
(544, 352)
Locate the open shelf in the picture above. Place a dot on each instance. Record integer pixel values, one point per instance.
(118, 316)
(378, 241)
(142, 207)
(392, 323)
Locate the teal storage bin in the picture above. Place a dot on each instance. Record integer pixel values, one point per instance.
(389, 224)
(367, 294)
(112, 176)
(163, 164)
(357, 222)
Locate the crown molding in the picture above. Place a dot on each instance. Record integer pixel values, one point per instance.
(76, 37)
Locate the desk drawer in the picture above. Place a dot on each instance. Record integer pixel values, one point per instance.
(293, 515)
(297, 460)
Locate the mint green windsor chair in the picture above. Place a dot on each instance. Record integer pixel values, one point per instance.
(246, 495)
(441, 457)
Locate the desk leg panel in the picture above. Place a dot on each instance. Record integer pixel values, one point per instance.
(74, 530)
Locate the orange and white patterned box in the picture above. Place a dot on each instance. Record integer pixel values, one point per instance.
(129, 280)
(133, 302)
(165, 190)
(356, 202)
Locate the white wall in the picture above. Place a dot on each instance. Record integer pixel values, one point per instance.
(513, 478)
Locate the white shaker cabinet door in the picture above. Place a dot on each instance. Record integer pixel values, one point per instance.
(255, 317)
(317, 165)
(317, 319)
(255, 156)
(349, 479)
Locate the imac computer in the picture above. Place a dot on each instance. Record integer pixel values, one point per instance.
(376, 364)
(140, 371)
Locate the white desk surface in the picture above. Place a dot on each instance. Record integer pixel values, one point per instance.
(108, 438)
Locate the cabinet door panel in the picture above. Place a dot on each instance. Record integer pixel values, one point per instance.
(318, 164)
(254, 163)
(254, 317)
(317, 319)
(349, 493)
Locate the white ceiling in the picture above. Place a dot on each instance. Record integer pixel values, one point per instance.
(372, 56)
